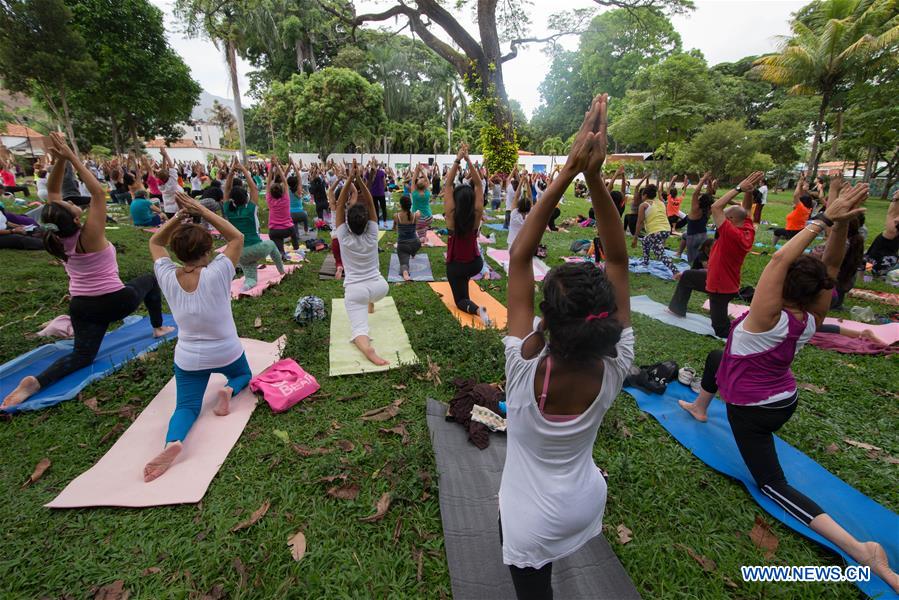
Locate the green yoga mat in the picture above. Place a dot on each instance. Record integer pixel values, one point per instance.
(388, 336)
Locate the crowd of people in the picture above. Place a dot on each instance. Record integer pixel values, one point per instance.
(564, 368)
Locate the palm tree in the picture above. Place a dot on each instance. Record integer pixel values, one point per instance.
(553, 146)
(832, 43)
(218, 21)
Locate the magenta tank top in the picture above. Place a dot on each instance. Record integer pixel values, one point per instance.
(754, 378)
(94, 273)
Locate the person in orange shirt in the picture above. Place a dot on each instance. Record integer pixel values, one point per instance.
(802, 210)
(674, 202)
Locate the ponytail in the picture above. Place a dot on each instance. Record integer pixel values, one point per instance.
(59, 223)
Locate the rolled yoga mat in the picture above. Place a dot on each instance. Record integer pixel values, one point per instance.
(118, 479)
(496, 311)
(469, 483)
(119, 346)
(419, 268)
(713, 443)
(388, 336)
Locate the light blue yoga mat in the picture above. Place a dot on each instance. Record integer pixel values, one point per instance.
(713, 443)
(496, 226)
(656, 268)
(119, 346)
(693, 322)
(419, 268)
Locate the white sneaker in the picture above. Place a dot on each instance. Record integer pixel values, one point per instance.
(485, 318)
(696, 385)
(686, 375)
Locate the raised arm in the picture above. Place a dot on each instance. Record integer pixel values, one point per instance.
(229, 181)
(720, 204)
(340, 208)
(478, 187)
(449, 204)
(366, 195)
(767, 302)
(252, 190)
(94, 232)
(695, 208)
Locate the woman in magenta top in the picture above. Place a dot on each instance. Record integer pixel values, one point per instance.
(754, 373)
(98, 296)
(280, 223)
(464, 208)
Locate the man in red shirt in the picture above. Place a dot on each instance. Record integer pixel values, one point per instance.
(8, 180)
(721, 281)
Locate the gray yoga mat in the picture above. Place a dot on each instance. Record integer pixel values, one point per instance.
(329, 268)
(469, 482)
(419, 268)
(656, 310)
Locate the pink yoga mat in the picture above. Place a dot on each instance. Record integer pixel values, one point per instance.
(502, 258)
(118, 480)
(266, 278)
(432, 240)
(888, 332)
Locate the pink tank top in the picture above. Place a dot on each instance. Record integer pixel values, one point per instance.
(94, 273)
(279, 212)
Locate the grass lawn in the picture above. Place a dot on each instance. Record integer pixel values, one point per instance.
(656, 487)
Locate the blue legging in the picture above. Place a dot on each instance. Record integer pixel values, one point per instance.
(191, 389)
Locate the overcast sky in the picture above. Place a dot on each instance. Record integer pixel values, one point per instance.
(724, 30)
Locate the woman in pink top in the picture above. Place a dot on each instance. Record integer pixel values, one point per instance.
(98, 296)
(754, 373)
(280, 223)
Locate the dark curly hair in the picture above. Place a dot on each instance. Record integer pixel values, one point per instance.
(649, 191)
(806, 277)
(239, 197)
(357, 218)
(571, 293)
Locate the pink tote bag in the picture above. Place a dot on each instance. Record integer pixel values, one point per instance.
(284, 384)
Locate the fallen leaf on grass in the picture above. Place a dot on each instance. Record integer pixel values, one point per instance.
(730, 582)
(433, 372)
(257, 323)
(419, 555)
(241, 570)
(763, 538)
(91, 403)
(257, 514)
(332, 478)
(832, 448)
(861, 445)
(346, 445)
(39, 469)
(811, 387)
(383, 413)
(150, 571)
(705, 562)
(399, 430)
(306, 451)
(282, 435)
(380, 509)
(399, 386)
(625, 535)
(216, 593)
(113, 591)
(349, 491)
(397, 529)
(297, 545)
(622, 428)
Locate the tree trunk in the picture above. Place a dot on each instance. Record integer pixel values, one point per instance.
(869, 164)
(449, 120)
(70, 132)
(298, 47)
(812, 166)
(835, 146)
(855, 168)
(231, 58)
(312, 60)
(116, 139)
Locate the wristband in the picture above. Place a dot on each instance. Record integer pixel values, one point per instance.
(738, 189)
(821, 217)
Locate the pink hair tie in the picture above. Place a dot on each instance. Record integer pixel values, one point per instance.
(601, 315)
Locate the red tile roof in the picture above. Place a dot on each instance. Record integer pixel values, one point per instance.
(16, 130)
(182, 143)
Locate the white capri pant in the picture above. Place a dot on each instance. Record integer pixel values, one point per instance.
(357, 296)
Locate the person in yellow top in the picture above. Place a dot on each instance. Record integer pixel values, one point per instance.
(653, 216)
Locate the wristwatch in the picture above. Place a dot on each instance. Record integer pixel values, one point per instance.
(738, 189)
(820, 217)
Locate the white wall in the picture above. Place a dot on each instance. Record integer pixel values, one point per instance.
(191, 154)
(444, 160)
(203, 134)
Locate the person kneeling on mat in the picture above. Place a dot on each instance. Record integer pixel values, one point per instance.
(407, 241)
(552, 494)
(98, 297)
(199, 295)
(357, 230)
(754, 372)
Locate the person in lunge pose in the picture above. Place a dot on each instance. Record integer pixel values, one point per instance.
(98, 297)
(408, 243)
(652, 215)
(754, 374)
(199, 294)
(563, 371)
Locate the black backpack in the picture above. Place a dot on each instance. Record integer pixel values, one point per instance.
(653, 379)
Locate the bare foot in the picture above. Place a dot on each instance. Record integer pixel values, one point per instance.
(671, 312)
(698, 413)
(371, 308)
(26, 388)
(223, 401)
(406, 276)
(373, 357)
(162, 331)
(162, 462)
(877, 560)
(338, 274)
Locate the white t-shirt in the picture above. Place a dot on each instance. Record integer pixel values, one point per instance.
(168, 191)
(764, 191)
(516, 222)
(207, 337)
(196, 183)
(42, 191)
(510, 197)
(552, 495)
(744, 343)
(359, 253)
(304, 178)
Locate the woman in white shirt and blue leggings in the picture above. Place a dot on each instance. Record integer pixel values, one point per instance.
(199, 296)
(562, 373)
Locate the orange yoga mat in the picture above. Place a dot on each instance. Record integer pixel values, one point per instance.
(496, 311)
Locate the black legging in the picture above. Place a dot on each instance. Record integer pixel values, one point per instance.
(381, 207)
(18, 188)
(458, 274)
(15, 241)
(753, 428)
(530, 583)
(91, 317)
(630, 223)
(552, 220)
(279, 235)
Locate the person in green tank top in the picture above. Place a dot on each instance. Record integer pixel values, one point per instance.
(653, 216)
(240, 208)
(421, 203)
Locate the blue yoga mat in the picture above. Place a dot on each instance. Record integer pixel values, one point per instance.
(496, 226)
(119, 346)
(713, 443)
(656, 268)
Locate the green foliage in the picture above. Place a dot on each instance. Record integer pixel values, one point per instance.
(500, 152)
(785, 129)
(725, 148)
(553, 146)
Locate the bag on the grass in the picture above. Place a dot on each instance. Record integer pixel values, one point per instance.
(653, 379)
(309, 309)
(284, 384)
(541, 251)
